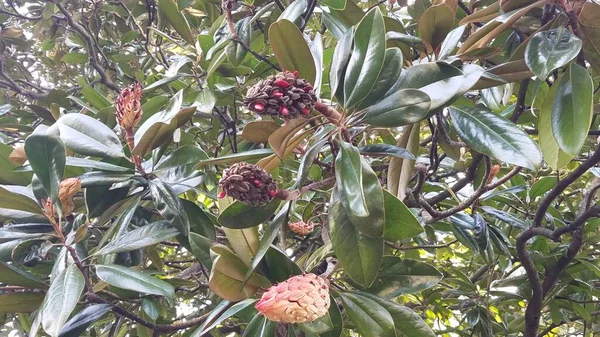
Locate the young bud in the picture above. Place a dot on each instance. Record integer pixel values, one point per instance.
(129, 106)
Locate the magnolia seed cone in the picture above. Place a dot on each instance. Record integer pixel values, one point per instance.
(67, 190)
(248, 183)
(301, 228)
(299, 299)
(129, 106)
(284, 95)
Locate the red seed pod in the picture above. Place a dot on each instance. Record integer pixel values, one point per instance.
(222, 195)
(281, 83)
(284, 110)
(259, 107)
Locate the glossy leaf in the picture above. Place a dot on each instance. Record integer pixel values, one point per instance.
(235, 52)
(390, 71)
(239, 215)
(406, 106)
(88, 137)
(11, 275)
(130, 279)
(61, 299)
(554, 156)
(21, 302)
(341, 56)
(259, 131)
(435, 24)
(572, 109)
(551, 49)
(228, 274)
(46, 156)
(366, 59)
(406, 321)
(403, 276)
(236, 157)
(349, 175)
(385, 150)
(495, 136)
(400, 222)
(260, 326)
(79, 322)
(291, 50)
(169, 206)
(359, 255)
(369, 318)
(140, 237)
(173, 15)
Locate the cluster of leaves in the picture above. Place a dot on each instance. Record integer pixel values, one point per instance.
(449, 170)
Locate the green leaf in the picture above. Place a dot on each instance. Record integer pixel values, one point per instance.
(385, 150)
(359, 255)
(61, 299)
(79, 323)
(451, 41)
(406, 321)
(554, 156)
(89, 137)
(46, 155)
(236, 157)
(348, 172)
(291, 50)
(551, 49)
(14, 276)
(131, 279)
(339, 21)
(171, 11)
(334, 4)
(390, 72)
(341, 56)
(159, 128)
(167, 203)
(400, 222)
(405, 106)
(235, 52)
(200, 246)
(228, 274)
(239, 215)
(495, 136)
(366, 59)
(90, 163)
(230, 312)
(94, 97)
(572, 109)
(11, 199)
(151, 234)
(369, 318)
(200, 221)
(75, 58)
(13, 303)
(403, 276)
(293, 11)
(269, 235)
(335, 317)
(260, 326)
(435, 24)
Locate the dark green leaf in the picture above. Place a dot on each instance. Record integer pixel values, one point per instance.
(349, 176)
(88, 137)
(235, 52)
(385, 150)
(392, 66)
(14, 303)
(291, 49)
(171, 11)
(131, 279)
(369, 318)
(167, 203)
(572, 109)
(341, 56)
(400, 222)
(551, 49)
(495, 136)
(403, 276)
(79, 323)
(46, 156)
(260, 326)
(366, 59)
(140, 237)
(14, 276)
(405, 106)
(239, 215)
(61, 299)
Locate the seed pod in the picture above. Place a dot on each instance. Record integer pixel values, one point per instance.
(129, 106)
(283, 95)
(248, 183)
(299, 299)
(301, 228)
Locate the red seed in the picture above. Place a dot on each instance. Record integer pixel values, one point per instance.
(257, 183)
(284, 110)
(307, 88)
(305, 111)
(259, 106)
(281, 83)
(222, 195)
(278, 94)
(296, 73)
(272, 193)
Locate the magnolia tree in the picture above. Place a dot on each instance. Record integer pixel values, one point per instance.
(299, 168)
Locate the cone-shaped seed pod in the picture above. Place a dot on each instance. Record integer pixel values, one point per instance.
(248, 183)
(284, 95)
(299, 299)
(301, 228)
(129, 106)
